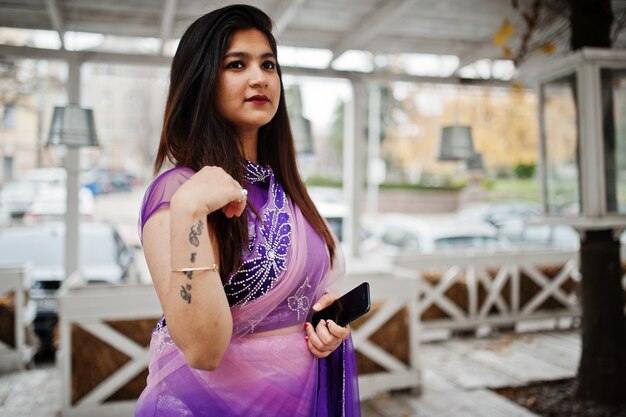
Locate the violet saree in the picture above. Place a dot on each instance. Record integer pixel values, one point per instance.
(285, 268)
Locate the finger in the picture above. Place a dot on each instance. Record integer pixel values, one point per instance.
(237, 199)
(240, 207)
(239, 204)
(326, 300)
(233, 209)
(338, 331)
(324, 335)
(314, 339)
(317, 353)
(228, 212)
(234, 191)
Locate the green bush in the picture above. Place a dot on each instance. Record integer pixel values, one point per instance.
(525, 171)
(331, 182)
(488, 183)
(323, 182)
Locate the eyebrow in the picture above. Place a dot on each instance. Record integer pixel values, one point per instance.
(237, 54)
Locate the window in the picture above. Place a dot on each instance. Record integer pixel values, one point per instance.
(8, 116)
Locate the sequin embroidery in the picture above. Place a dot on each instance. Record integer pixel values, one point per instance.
(254, 321)
(256, 173)
(268, 255)
(299, 302)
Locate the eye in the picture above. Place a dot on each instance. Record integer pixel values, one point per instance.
(235, 65)
(270, 65)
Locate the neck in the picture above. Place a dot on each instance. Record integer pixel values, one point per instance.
(250, 139)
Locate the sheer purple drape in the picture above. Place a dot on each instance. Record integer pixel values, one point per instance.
(261, 375)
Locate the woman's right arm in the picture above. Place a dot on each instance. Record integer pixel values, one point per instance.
(194, 303)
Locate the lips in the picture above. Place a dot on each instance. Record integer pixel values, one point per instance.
(258, 99)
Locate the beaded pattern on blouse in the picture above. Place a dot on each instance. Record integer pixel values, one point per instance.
(161, 336)
(268, 250)
(256, 173)
(299, 302)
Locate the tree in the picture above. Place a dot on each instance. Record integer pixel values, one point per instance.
(602, 368)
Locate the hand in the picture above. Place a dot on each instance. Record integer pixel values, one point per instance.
(328, 335)
(211, 189)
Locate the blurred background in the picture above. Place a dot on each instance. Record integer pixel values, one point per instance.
(414, 200)
(373, 88)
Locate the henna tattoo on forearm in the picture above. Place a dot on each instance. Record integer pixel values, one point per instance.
(194, 233)
(185, 294)
(185, 290)
(196, 230)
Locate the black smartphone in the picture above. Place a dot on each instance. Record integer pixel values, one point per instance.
(346, 308)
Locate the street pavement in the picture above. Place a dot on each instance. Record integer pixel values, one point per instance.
(31, 393)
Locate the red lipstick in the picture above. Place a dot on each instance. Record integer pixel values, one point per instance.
(258, 99)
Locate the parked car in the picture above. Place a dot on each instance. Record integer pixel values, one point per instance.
(51, 201)
(104, 258)
(401, 234)
(331, 205)
(497, 213)
(5, 216)
(102, 181)
(17, 196)
(529, 234)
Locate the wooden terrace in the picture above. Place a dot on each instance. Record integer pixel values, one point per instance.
(457, 375)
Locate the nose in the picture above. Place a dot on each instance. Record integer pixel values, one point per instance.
(258, 78)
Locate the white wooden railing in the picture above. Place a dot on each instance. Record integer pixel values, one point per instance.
(500, 278)
(16, 279)
(389, 295)
(90, 307)
(491, 289)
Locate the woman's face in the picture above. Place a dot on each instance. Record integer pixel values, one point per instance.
(248, 88)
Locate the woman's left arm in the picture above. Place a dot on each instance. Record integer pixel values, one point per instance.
(327, 335)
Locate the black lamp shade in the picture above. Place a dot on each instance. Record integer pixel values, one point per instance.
(72, 126)
(455, 143)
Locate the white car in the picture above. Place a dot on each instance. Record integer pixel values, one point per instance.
(530, 234)
(48, 176)
(331, 205)
(5, 216)
(401, 234)
(50, 204)
(17, 196)
(499, 212)
(527, 234)
(104, 259)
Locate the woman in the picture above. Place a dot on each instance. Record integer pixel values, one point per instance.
(238, 254)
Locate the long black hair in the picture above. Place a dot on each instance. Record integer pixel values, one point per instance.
(195, 134)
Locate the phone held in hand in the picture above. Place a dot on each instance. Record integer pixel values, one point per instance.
(346, 308)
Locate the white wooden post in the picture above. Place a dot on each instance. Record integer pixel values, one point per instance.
(353, 166)
(591, 146)
(373, 148)
(72, 166)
